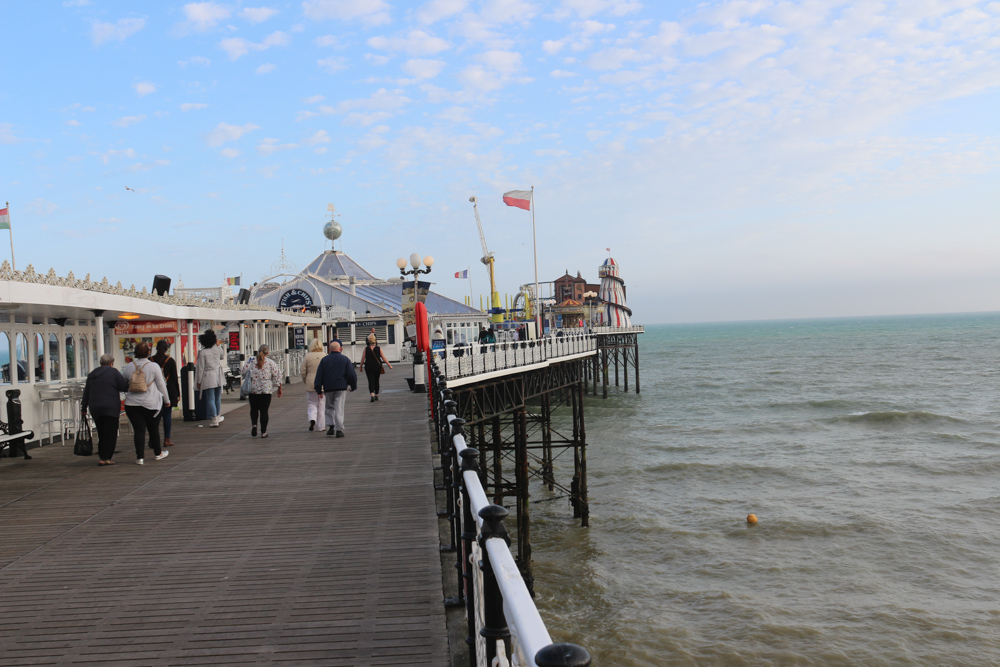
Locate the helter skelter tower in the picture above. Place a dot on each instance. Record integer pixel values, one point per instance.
(614, 311)
(617, 337)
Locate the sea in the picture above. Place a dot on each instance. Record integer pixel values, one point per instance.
(869, 450)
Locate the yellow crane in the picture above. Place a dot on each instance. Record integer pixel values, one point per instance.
(495, 310)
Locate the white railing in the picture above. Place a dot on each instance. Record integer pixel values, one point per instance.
(603, 331)
(469, 359)
(498, 597)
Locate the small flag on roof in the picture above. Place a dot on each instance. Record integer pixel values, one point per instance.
(518, 198)
(233, 281)
(5, 218)
(462, 274)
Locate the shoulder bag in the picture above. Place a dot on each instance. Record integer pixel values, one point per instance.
(84, 439)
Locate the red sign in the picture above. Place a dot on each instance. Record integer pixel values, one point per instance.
(234, 340)
(123, 328)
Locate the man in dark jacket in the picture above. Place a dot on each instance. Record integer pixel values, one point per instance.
(334, 376)
(102, 395)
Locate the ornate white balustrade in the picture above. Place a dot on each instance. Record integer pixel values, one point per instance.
(476, 359)
(31, 276)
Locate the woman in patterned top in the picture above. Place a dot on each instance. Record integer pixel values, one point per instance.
(264, 377)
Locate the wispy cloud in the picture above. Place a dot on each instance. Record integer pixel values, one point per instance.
(195, 60)
(266, 68)
(192, 106)
(144, 88)
(271, 146)
(238, 47)
(436, 10)
(120, 31)
(414, 43)
(202, 16)
(125, 121)
(224, 132)
(333, 64)
(258, 14)
(370, 12)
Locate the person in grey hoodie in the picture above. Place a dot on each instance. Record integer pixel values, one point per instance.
(102, 394)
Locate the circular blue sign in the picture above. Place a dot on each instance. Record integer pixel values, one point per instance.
(295, 298)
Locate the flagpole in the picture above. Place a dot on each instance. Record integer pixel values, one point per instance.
(10, 228)
(468, 274)
(534, 245)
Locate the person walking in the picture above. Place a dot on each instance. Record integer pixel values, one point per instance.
(371, 361)
(264, 377)
(169, 368)
(147, 392)
(102, 394)
(209, 376)
(314, 401)
(335, 376)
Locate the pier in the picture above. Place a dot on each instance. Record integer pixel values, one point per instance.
(234, 550)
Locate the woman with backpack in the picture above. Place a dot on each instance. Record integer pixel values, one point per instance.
(209, 375)
(264, 377)
(147, 392)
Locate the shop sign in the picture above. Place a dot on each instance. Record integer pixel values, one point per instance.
(295, 298)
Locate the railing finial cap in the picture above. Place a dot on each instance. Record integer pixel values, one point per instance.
(562, 654)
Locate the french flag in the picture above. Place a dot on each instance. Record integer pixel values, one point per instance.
(462, 274)
(518, 198)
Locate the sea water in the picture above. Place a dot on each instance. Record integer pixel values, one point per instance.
(868, 448)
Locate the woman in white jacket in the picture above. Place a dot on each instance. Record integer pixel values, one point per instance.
(315, 404)
(144, 408)
(209, 375)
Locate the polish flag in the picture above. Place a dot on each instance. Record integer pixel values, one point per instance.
(518, 198)
(462, 274)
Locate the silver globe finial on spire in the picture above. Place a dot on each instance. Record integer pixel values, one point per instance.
(332, 229)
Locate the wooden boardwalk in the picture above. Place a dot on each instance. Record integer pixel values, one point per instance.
(298, 549)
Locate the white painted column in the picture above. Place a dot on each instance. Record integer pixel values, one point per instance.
(99, 337)
(190, 342)
(61, 336)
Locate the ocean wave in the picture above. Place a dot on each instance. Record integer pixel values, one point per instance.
(893, 417)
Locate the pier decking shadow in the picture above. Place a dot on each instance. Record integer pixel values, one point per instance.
(300, 548)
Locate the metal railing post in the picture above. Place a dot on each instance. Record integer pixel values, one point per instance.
(457, 503)
(470, 463)
(562, 654)
(494, 623)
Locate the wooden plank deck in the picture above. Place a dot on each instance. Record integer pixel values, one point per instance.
(298, 549)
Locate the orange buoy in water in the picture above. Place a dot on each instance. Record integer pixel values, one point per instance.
(751, 519)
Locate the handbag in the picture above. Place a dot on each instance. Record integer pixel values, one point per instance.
(84, 439)
(381, 369)
(245, 386)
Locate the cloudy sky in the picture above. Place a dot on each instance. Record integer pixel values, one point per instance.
(748, 159)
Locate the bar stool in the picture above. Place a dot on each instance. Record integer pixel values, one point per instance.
(74, 392)
(52, 399)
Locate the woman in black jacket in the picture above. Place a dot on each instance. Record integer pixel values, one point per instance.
(102, 394)
(169, 366)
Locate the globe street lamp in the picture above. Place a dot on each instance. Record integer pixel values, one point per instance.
(415, 263)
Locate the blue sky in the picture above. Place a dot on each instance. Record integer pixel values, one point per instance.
(743, 160)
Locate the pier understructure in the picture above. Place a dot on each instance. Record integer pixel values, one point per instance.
(617, 350)
(507, 415)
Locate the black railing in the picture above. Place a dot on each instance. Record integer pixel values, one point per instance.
(504, 626)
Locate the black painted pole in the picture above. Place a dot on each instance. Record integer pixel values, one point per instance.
(494, 623)
(470, 463)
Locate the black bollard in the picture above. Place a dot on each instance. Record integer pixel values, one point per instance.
(15, 424)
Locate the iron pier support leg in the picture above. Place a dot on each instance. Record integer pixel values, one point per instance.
(548, 476)
(625, 356)
(584, 501)
(497, 461)
(637, 363)
(521, 483)
(604, 364)
(616, 351)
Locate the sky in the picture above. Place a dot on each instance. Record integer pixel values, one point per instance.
(746, 159)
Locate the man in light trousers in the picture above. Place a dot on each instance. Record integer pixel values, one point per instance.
(335, 376)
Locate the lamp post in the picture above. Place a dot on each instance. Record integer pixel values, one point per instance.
(408, 310)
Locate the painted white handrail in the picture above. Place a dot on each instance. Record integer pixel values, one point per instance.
(468, 359)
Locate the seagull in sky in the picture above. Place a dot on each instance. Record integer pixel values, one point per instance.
(128, 188)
